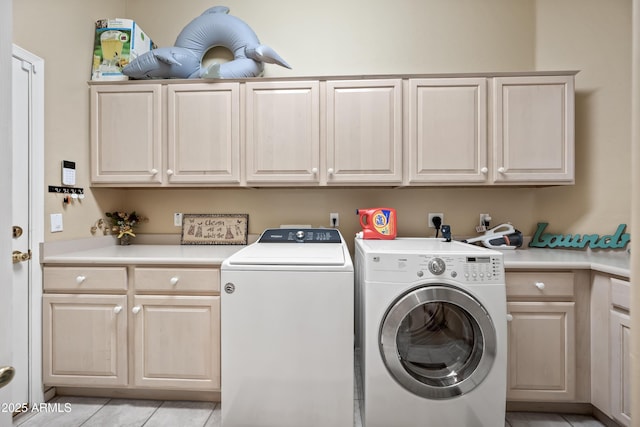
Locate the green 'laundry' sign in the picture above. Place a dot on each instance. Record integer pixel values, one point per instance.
(618, 240)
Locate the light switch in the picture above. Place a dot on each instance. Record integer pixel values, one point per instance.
(56, 223)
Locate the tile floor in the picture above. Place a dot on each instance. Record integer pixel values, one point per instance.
(66, 411)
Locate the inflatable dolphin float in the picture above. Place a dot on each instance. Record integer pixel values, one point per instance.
(211, 29)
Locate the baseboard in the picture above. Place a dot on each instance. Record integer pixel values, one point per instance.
(200, 396)
(563, 408)
(554, 407)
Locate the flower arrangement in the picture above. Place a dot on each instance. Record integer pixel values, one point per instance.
(123, 223)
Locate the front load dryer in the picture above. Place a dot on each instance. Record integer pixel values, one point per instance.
(287, 331)
(432, 333)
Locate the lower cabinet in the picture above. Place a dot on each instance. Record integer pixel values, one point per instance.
(176, 342)
(167, 340)
(620, 345)
(610, 347)
(544, 343)
(84, 340)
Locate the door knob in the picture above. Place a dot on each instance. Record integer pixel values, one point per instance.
(18, 256)
(6, 375)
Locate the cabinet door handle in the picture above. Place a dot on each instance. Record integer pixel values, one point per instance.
(136, 309)
(540, 285)
(80, 279)
(174, 280)
(509, 317)
(169, 172)
(117, 309)
(484, 170)
(330, 171)
(501, 170)
(154, 171)
(314, 171)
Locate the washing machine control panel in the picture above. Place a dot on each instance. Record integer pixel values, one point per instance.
(304, 235)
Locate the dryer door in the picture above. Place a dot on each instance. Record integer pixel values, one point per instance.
(438, 342)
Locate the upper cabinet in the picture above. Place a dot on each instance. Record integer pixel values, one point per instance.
(152, 135)
(507, 129)
(523, 133)
(363, 131)
(447, 141)
(126, 134)
(203, 134)
(360, 141)
(533, 129)
(282, 143)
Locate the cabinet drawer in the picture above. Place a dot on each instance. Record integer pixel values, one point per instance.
(177, 279)
(540, 284)
(85, 279)
(620, 294)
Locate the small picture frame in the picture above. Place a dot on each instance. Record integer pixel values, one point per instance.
(215, 229)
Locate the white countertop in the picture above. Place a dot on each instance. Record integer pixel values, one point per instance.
(611, 262)
(161, 254)
(147, 254)
(106, 252)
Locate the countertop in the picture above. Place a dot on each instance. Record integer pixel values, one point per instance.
(610, 262)
(105, 251)
(102, 252)
(147, 254)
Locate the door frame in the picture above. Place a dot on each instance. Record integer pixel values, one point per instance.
(36, 219)
(6, 270)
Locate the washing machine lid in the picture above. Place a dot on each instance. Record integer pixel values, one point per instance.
(290, 254)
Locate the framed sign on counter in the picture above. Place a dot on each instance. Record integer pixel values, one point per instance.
(215, 229)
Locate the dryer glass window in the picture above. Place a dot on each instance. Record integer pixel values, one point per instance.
(439, 343)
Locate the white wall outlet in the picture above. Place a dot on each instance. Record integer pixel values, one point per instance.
(56, 223)
(177, 219)
(430, 219)
(334, 219)
(483, 223)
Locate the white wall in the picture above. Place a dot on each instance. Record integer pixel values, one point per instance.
(368, 37)
(593, 36)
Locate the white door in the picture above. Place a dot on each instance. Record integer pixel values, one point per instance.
(27, 147)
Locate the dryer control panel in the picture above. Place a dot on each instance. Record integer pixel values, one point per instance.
(461, 268)
(466, 269)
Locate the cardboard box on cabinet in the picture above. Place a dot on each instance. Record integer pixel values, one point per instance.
(116, 43)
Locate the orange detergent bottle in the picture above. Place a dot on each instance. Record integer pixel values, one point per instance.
(378, 223)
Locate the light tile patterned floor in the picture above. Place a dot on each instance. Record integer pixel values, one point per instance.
(105, 412)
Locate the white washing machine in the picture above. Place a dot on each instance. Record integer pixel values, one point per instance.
(432, 333)
(287, 316)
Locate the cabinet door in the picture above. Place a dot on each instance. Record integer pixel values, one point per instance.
(126, 134)
(541, 352)
(447, 131)
(282, 132)
(84, 340)
(364, 131)
(533, 129)
(177, 342)
(620, 367)
(203, 137)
